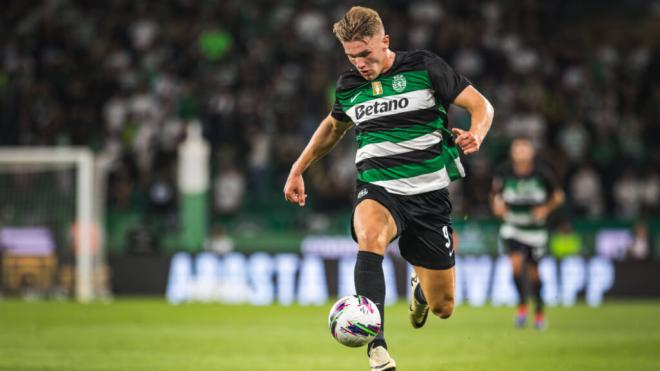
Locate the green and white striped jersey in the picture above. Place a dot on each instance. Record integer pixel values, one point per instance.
(521, 194)
(404, 144)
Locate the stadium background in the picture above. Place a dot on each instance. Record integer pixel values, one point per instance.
(134, 80)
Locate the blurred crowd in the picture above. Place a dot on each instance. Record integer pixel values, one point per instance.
(582, 79)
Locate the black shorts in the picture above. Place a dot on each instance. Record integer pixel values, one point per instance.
(423, 224)
(531, 254)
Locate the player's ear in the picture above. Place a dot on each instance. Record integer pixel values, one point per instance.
(386, 41)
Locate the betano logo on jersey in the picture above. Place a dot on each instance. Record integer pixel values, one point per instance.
(366, 110)
(376, 88)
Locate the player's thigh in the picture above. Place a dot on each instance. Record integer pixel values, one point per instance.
(374, 226)
(439, 287)
(533, 271)
(517, 253)
(517, 260)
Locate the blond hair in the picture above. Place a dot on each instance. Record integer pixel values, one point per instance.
(358, 23)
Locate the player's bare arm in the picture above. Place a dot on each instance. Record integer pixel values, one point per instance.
(329, 132)
(496, 201)
(541, 212)
(498, 206)
(481, 112)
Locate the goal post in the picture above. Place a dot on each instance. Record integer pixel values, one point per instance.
(85, 230)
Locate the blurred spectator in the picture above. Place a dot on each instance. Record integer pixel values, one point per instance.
(143, 33)
(162, 199)
(527, 123)
(573, 141)
(586, 192)
(628, 194)
(640, 249)
(219, 242)
(228, 188)
(214, 43)
(630, 137)
(650, 190)
(309, 24)
(259, 161)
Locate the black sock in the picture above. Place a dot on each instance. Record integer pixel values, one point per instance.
(370, 282)
(520, 287)
(419, 295)
(536, 290)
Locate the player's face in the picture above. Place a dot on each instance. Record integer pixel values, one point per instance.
(522, 151)
(368, 55)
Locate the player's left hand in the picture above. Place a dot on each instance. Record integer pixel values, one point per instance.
(540, 213)
(468, 142)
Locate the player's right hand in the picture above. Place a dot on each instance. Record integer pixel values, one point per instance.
(294, 189)
(499, 207)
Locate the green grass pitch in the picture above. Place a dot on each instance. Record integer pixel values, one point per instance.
(149, 334)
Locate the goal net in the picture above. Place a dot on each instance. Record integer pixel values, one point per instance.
(51, 235)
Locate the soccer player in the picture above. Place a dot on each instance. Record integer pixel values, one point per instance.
(398, 102)
(523, 195)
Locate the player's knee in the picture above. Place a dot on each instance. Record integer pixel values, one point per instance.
(444, 308)
(372, 241)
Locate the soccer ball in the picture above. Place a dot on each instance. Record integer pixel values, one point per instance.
(354, 320)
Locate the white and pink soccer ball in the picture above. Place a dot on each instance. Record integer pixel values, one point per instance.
(354, 320)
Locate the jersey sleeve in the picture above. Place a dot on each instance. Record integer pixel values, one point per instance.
(337, 111)
(447, 83)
